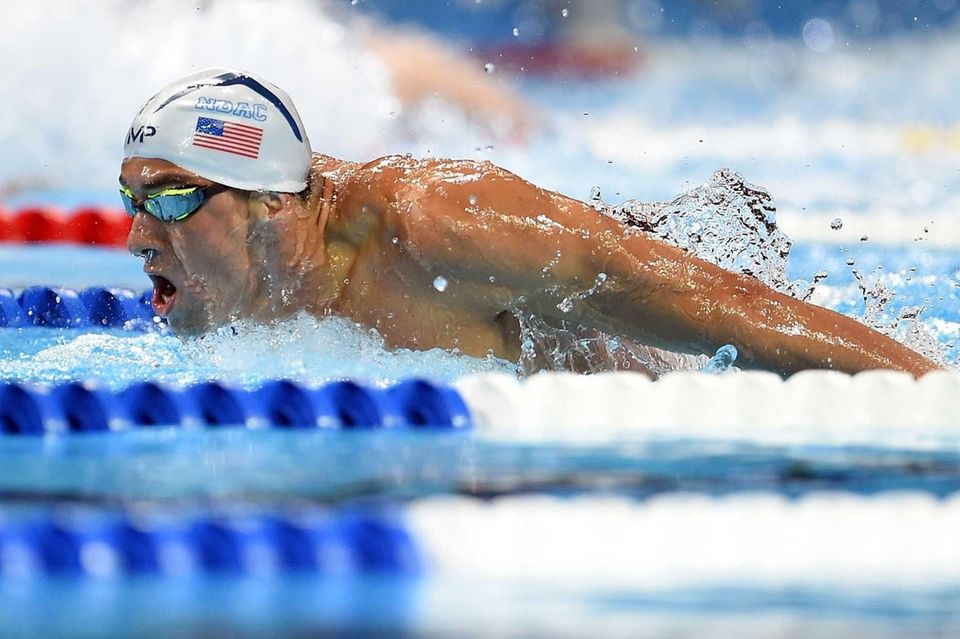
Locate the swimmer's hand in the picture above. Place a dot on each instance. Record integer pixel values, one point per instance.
(421, 67)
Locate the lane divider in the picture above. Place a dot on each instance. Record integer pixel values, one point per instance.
(831, 540)
(902, 540)
(95, 307)
(873, 408)
(81, 407)
(84, 225)
(105, 543)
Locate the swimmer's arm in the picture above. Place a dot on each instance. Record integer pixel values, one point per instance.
(695, 306)
(542, 248)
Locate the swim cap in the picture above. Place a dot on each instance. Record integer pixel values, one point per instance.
(228, 126)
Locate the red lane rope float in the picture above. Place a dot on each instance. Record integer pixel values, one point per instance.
(85, 225)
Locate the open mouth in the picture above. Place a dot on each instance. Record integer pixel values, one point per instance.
(164, 295)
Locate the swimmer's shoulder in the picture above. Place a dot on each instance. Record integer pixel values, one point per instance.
(405, 170)
(407, 190)
(378, 178)
(328, 164)
(331, 168)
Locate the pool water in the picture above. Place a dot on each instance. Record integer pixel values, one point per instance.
(522, 534)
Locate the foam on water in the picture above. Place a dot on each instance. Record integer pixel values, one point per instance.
(304, 348)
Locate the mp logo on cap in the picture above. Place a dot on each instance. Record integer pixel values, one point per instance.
(137, 135)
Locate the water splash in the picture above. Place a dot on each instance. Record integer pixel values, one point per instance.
(304, 348)
(905, 327)
(726, 221)
(566, 305)
(722, 361)
(568, 346)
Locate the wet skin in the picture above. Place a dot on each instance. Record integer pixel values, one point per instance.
(373, 238)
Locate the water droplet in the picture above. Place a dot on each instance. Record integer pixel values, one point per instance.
(850, 261)
(566, 305)
(863, 238)
(724, 358)
(489, 67)
(440, 283)
(527, 346)
(836, 224)
(818, 35)
(492, 279)
(395, 240)
(473, 200)
(516, 32)
(565, 13)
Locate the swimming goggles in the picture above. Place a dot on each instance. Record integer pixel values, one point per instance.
(170, 205)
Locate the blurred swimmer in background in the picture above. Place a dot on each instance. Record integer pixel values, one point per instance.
(236, 217)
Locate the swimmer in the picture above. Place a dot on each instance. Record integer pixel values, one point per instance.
(236, 218)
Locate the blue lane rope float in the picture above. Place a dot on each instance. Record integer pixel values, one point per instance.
(85, 407)
(95, 307)
(91, 542)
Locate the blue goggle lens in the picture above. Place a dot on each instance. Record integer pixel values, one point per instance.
(170, 205)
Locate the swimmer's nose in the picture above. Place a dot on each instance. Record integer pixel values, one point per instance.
(144, 238)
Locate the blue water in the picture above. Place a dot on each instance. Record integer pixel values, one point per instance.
(374, 607)
(331, 467)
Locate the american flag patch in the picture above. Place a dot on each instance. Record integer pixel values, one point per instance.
(229, 137)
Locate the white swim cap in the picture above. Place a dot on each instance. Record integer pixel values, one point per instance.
(228, 126)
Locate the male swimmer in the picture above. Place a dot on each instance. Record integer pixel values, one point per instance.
(235, 217)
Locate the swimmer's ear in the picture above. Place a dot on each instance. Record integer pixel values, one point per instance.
(267, 204)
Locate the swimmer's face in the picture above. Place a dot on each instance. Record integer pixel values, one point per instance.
(201, 267)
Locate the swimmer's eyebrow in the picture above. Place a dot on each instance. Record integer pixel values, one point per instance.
(155, 182)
